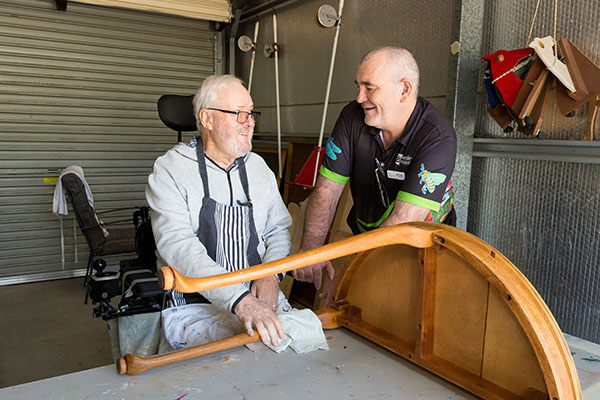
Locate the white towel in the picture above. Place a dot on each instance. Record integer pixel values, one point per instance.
(59, 203)
(305, 331)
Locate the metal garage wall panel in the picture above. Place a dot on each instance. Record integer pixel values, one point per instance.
(423, 27)
(542, 214)
(80, 88)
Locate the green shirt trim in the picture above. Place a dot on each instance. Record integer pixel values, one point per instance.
(333, 176)
(372, 225)
(418, 201)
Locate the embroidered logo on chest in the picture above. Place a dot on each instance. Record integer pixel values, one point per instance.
(401, 159)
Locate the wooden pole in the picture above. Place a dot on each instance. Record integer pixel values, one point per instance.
(416, 235)
(133, 365)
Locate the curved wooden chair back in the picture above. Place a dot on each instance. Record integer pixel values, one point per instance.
(443, 299)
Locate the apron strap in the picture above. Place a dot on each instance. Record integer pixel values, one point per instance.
(253, 256)
(202, 165)
(244, 181)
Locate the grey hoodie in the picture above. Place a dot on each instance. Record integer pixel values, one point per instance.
(175, 193)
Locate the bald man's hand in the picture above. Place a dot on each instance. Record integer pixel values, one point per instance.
(314, 273)
(266, 290)
(321, 208)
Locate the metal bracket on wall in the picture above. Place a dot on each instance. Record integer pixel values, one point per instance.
(61, 5)
(544, 150)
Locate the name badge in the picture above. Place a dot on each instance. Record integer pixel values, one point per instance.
(397, 175)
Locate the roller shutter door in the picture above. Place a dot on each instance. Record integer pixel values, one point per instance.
(80, 88)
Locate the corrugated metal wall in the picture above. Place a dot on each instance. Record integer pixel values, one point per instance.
(423, 27)
(81, 88)
(305, 53)
(543, 215)
(553, 238)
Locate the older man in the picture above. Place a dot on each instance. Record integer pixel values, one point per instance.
(216, 209)
(395, 148)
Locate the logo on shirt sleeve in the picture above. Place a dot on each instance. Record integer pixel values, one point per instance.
(430, 180)
(331, 149)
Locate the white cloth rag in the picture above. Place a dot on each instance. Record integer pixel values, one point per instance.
(305, 331)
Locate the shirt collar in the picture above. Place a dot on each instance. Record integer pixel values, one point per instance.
(412, 123)
(409, 129)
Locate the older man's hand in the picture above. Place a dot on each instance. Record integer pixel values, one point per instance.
(253, 312)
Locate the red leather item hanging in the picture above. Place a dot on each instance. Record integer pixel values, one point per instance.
(503, 64)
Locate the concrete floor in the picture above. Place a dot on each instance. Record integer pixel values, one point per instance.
(47, 331)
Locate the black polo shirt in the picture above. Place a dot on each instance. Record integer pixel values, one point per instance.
(416, 168)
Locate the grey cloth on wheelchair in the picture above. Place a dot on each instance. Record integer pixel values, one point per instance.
(135, 334)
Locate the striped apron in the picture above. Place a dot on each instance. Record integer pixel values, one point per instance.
(230, 238)
(228, 233)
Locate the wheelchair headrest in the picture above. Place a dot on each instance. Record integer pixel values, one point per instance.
(177, 112)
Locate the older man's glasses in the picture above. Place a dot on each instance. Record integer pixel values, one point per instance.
(379, 175)
(241, 116)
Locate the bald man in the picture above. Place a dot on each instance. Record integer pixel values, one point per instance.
(396, 150)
